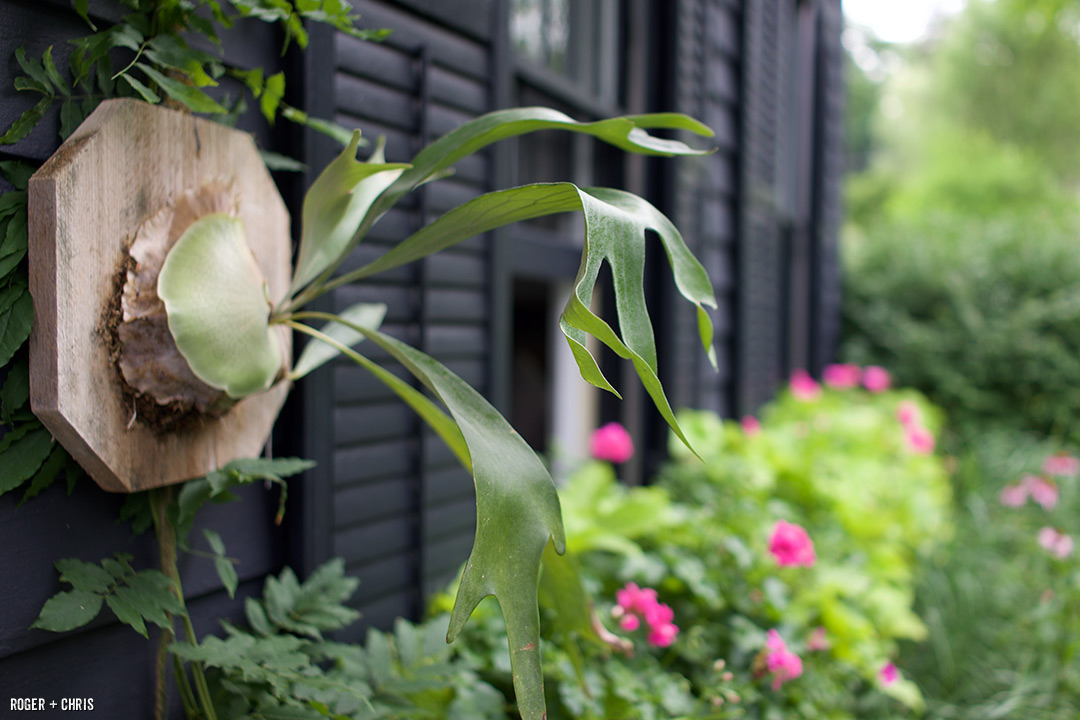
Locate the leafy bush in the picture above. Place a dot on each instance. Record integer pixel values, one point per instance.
(981, 315)
(1002, 612)
(771, 622)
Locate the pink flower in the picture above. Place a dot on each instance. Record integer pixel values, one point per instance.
(1062, 464)
(781, 662)
(612, 443)
(1014, 495)
(841, 377)
(790, 545)
(876, 379)
(804, 387)
(1056, 543)
(817, 641)
(662, 635)
(1042, 491)
(919, 440)
(908, 413)
(889, 674)
(635, 604)
(750, 425)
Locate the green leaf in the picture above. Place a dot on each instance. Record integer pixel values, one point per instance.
(267, 469)
(118, 566)
(223, 565)
(125, 610)
(16, 390)
(18, 174)
(144, 92)
(23, 457)
(341, 134)
(70, 118)
(517, 511)
(192, 97)
(83, 8)
(34, 68)
(84, 576)
(13, 245)
(335, 205)
(16, 317)
(170, 51)
(26, 122)
(273, 91)
(153, 595)
(46, 474)
(68, 610)
(277, 161)
(217, 309)
(615, 225)
(317, 353)
(52, 73)
(438, 420)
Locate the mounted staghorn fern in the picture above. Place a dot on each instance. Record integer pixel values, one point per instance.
(224, 327)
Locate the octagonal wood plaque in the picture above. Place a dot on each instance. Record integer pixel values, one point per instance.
(127, 161)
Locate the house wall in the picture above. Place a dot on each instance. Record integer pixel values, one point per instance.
(387, 495)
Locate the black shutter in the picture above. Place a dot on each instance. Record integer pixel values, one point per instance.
(388, 496)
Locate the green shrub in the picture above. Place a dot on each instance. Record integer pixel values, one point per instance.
(838, 466)
(981, 315)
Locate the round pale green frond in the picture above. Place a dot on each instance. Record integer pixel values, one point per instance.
(217, 308)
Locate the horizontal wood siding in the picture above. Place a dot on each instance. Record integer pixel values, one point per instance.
(400, 508)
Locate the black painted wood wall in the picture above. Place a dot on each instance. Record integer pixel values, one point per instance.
(387, 495)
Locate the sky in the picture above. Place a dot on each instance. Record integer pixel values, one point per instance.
(899, 21)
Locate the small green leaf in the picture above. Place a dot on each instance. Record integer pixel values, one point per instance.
(16, 390)
(68, 610)
(123, 606)
(145, 92)
(47, 473)
(283, 163)
(83, 8)
(118, 566)
(84, 576)
(334, 207)
(153, 595)
(70, 118)
(16, 317)
(13, 245)
(223, 565)
(256, 617)
(34, 68)
(26, 122)
(217, 310)
(273, 91)
(340, 133)
(54, 74)
(18, 174)
(192, 97)
(317, 353)
(23, 457)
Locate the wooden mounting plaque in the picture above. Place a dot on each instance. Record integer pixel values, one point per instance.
(124, 163)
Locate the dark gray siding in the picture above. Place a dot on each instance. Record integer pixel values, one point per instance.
(388, 496)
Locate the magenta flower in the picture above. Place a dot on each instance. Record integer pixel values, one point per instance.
(1014, 495)
(781, 662)
(817, 642)
(842, 377)
(804, 387)
(790, 545)
(1056, 543)
(750, 425)
(1062, 464)
(908, 413)
(876, 379)
(612, 443)
(1042, 491)
(889, 674)
(919, 440)
(636, 604)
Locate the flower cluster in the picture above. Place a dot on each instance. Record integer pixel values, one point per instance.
(783, 664)
(1039, 489)
(791, 545)
(636, 604)
(1058, 544)
(611, 443)
(839, 377)
(1062, 465)
(917, 438)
